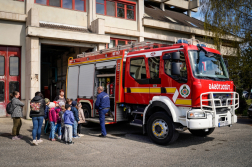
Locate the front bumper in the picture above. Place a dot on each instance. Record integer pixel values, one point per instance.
(211, 122)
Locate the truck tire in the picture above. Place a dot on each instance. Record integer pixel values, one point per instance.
(160, 129)
(201, 132)
(87, 112)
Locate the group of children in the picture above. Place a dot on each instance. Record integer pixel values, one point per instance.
(64, 119)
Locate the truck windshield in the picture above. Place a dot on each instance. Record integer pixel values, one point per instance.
(208, 67)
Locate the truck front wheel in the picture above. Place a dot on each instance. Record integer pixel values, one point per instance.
(202, 132)
(160, 129)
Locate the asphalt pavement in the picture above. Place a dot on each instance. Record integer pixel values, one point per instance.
(126, 146)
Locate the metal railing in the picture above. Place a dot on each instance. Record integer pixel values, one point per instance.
(232, 103)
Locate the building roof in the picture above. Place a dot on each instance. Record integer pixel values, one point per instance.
(155, 13)
(64, 27)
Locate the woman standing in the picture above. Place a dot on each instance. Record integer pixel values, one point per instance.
(81, 119)
(37, 114)
(16, 115)
(60, 97)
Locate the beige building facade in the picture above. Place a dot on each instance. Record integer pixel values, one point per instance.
(45, 33)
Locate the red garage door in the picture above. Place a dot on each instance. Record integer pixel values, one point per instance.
(9, 74)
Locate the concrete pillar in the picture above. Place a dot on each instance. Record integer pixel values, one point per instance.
(189, 13)
(98, 26)
(91, 10)
(162, 6)
(28, 5)
(140, 15)
(33, 17)
(32, 70)
(101, 46)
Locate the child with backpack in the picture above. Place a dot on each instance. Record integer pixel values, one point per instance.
(68, 121)
(53, 120)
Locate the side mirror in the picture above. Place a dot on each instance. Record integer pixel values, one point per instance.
(175, 68)
(175, 55)
(172, 56)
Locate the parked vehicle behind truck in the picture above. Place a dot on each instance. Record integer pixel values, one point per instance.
(163, 89)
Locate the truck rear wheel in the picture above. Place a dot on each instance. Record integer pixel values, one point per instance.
(87, 112)
(202, 132)
(160, 129)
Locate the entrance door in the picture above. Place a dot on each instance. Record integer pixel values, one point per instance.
(137, 80)
(9, 74)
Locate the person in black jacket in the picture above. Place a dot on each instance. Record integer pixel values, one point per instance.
(37, 114)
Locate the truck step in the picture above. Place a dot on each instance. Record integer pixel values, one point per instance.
(136, 124)
(136, 112)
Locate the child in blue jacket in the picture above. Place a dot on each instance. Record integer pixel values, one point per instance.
(68, 121)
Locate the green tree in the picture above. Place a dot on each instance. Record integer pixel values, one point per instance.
(226, 18)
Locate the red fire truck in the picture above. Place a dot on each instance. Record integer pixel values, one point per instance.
(161, 88)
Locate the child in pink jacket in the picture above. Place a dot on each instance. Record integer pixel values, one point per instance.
(53, 120)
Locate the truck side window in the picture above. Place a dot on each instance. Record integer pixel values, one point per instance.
(138, 68)
(183, 70)
(154, 67)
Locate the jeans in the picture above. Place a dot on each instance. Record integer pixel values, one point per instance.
(75, 128)
(58, 129)
(17, 123)
(102, 121)
(52, 133)
(37, 125)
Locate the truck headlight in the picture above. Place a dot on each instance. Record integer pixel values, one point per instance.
(196, 115)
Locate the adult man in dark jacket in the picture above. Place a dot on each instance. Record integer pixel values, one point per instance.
(102, 104)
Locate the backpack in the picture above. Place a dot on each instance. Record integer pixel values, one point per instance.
(35, 106)
(10, 108)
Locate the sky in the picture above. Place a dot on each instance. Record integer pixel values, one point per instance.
(197, 15)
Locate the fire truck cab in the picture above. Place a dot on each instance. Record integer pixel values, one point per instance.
(164, 89)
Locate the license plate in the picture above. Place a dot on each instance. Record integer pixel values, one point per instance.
(223, 123)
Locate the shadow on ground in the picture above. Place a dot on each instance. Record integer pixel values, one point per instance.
(124, 130)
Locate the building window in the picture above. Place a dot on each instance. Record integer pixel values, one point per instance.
(130, 12)
(43, 2)
(2, 64)
(79, 5)
(115, 41)
(120, 9)
(1, 91)
(14, 66)
(67, 4)
(55, 3)
(110, 8)
(137, 68)
(13, 86)
(100, 5)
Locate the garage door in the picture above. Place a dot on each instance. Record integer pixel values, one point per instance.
(72, 82)
(86, 81)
